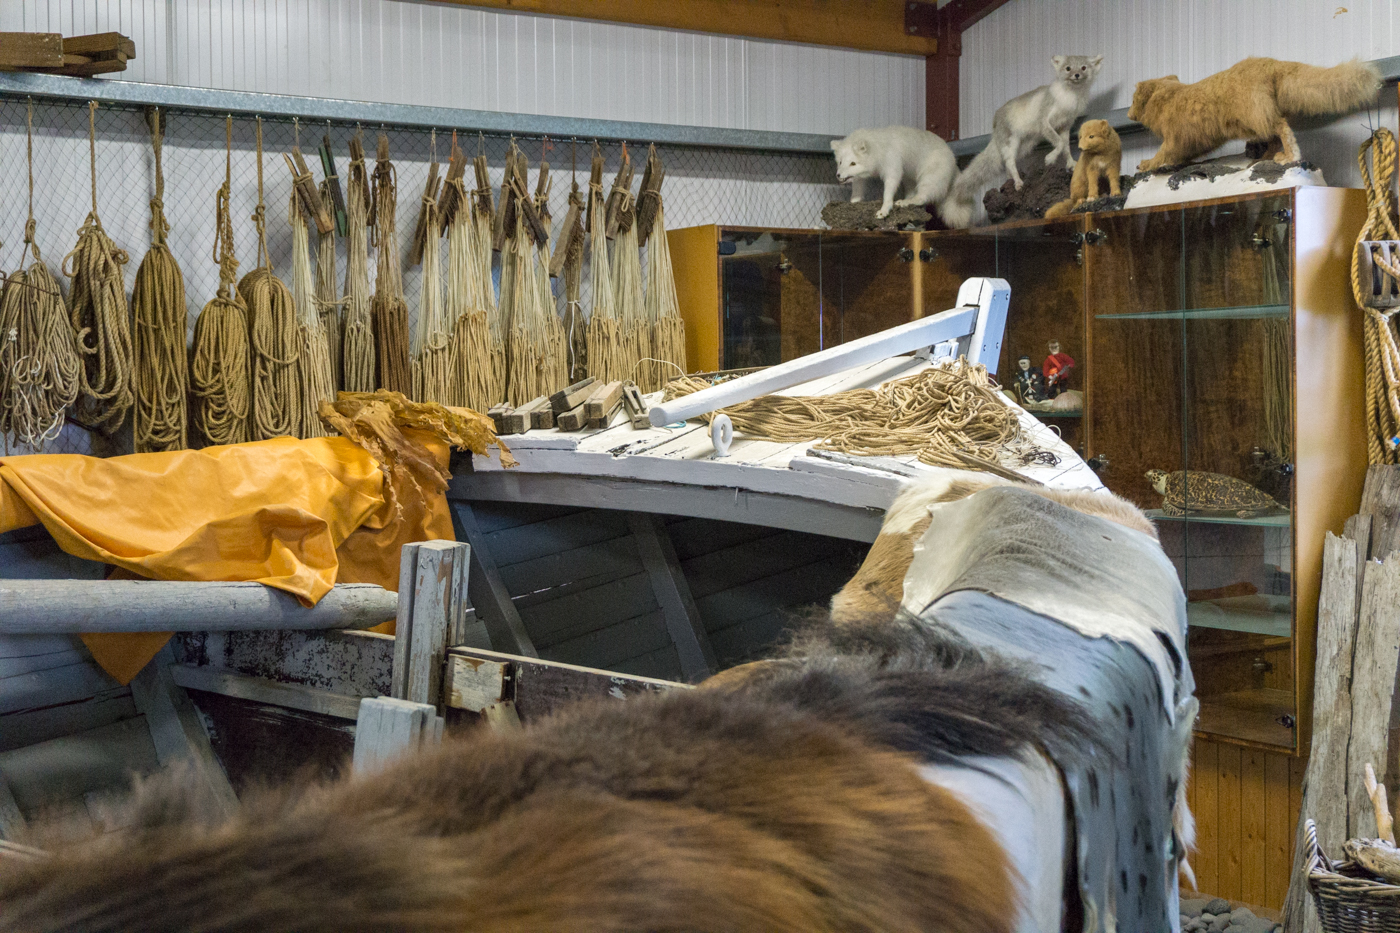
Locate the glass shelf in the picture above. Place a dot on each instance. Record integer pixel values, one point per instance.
(1265, 521)
(1247, 614)
(1240, 313)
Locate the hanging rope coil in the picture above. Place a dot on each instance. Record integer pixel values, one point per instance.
(432, 369)
(607, 357)
(158, 310)
(1382, 350)
(315, 380)
(358, 332)
(662, 309)
(388, 310)
(482, 220)
(219, 375)
(935, 414)
(273, 341)
(99, 315)
(466, 310)
(40, 371)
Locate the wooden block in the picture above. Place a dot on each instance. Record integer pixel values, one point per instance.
(100, 42)
(263, 690)
(388, 728)
(522, 419)
(571, 420)
(542, 418)
(603, 401)
(473, 683)
(92, 68)
(30, 50)
(571, 397)
(497, 413)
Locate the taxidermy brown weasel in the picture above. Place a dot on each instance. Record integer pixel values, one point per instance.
(1252, 100)
(1100, 158)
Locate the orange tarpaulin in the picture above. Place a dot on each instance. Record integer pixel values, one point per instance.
(296, 515)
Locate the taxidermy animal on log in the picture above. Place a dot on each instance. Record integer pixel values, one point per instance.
(1018, 126)
(1252, 100)
(896, 156)
(786, 797)
(1100, 159)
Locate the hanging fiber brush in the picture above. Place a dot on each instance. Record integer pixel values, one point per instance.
(607, 361)
(483, 213)
(627, 275)
(40, 372)
(662, 306)
(99, 314)
(315, 379)
(358, 333)
(219, 376)
(388, 310)
(432, 369)
(556, 349)
(158, 308)
(472, 362)
(567, 264)
(328, 304)
(273, 342)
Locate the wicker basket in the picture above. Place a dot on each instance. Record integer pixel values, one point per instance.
(1348, 899)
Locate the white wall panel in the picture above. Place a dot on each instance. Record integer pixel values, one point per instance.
(449, 55)
(1009, 52)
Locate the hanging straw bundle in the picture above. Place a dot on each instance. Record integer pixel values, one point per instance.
(40, 372)
(432, 370)
(99, 314)
(358, 333)
(327, 302)
(219, 374)
(662, 306)
(483, 220)
(555, 349)
(473, 359)
(388, 310)
(158, 306)
(315, 380)
(607, 359)
(567, 264)
(273, 341)
(627, 274)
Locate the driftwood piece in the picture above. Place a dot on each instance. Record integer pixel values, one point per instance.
(572, 396)
(1377, 856)
(308, 194)
(1384, 825)
(47, 607)
(1373, 685)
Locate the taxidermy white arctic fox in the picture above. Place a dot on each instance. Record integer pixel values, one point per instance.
(1018, 127)
(896, 155)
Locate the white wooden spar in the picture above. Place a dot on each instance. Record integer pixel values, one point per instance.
(46, 607)
(976, 324)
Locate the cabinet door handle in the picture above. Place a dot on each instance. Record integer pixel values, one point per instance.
(1098, 463)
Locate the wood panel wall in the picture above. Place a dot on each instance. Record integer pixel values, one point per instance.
(1246, 804)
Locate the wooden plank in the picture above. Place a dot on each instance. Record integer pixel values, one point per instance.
(488, 594)
(599, 407)
(602, 559)
(554, 535)
(262, 690)
(1228, 829)
(497, 413)
(611, 644)
(496, 516)
(42, 607)
(1279, 829)
(1206, 861)
(49, 772)
(403, 620)
(176, 729)
(1253, 838)
(1373, 686)
(755, 560)
(522, 419)
(474, 683)
(41, 689)
(349, 663)
(578, 612)
(21, 729)
(571, 397)
(673, 594)
(12, 821)
(388, 728)
(434, 602)
(572, 419)
(542, 418)
(30, 50)
(100, 42)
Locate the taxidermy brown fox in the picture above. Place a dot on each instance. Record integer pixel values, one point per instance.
(1252, 100)
(1100, 158)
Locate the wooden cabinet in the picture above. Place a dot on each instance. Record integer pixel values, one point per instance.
(1215, 337)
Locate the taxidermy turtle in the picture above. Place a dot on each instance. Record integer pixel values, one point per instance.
(1210, 493)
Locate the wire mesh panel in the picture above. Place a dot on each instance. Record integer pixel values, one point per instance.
(703, 185)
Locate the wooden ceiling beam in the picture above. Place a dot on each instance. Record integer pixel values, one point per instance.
(869, 25)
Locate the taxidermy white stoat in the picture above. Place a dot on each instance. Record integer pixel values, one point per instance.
(897, 156)
(1251, 100)
(1017, 127)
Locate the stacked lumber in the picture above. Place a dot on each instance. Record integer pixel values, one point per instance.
(78, 56)
(1358, 649)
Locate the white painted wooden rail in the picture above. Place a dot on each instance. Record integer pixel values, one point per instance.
(976, 323)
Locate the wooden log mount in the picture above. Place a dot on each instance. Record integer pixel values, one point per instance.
(48, 607)
(571, 397)
(599, 407)
(523, 418)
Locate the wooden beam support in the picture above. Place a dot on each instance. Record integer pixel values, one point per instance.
(672, 592)
(487, 591)
(874, 25)
(262, 690)
(388, 728)
(433, 581)
(944, 27)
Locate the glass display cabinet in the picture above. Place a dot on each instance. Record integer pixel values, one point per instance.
(1217, 357)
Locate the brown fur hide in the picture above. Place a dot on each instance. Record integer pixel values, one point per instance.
(878, 586)
(1251, 100)
(702, 810)
(1100, 158)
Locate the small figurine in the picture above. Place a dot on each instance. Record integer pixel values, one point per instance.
(1057, 368)
(1030, 384)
